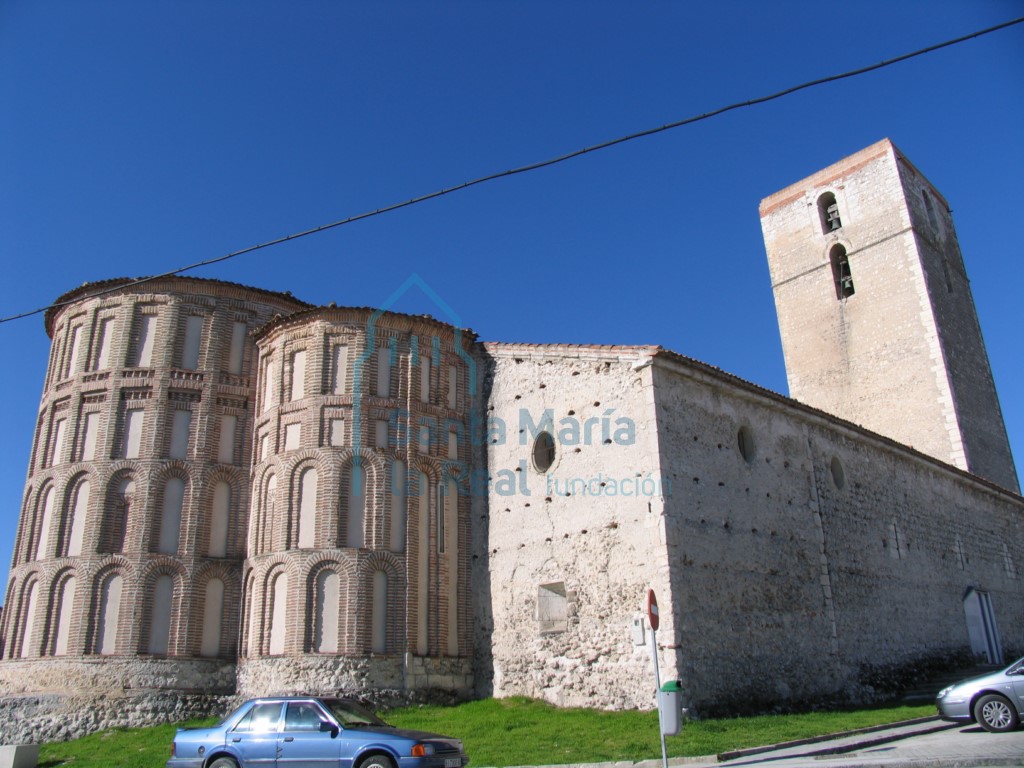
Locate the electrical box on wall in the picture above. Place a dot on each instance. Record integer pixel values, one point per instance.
(639, 629)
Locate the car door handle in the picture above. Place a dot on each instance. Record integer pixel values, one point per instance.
(289, 738)
(237, 739)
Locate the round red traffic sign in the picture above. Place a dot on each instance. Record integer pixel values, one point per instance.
(652, 609)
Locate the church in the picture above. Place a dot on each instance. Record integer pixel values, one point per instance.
(232, 492)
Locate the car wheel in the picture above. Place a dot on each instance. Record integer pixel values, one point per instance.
(224, 762)
(376, 761)
(996, 714)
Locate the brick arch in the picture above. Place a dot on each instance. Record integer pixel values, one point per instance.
(172, 468)
(393, 534)
(36, 533)
(327, 624)
(74, 519)
(25, 635)
(118, 516)
(272, 564)
(61, 614)
(385, 625)
(121, 465)
(431, 468)
(226, 614)
(26, 525)
(428, 465)
(113, 636)
(5, 629)
(173, 471)
(237, 521)
(219, 472)
(156, 615)
(457, 471)
(274, 634)
(261, 530)
(98, 568)
(161, 565)
(381, 561)
(141, 512)
(249, 611)
(343, 561)
(305, 457)
(306, 461)
(374, 475)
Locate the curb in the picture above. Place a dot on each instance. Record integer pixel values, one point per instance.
(882, 738)
(740, 753)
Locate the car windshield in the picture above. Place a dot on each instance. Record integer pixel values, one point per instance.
(350, 714)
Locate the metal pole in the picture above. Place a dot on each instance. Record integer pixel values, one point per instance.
(657, 688)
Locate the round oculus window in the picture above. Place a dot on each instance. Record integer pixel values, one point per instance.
(543, 452)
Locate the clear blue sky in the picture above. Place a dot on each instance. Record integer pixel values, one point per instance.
(136, 137)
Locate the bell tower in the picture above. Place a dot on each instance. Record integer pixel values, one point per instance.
(875, 310)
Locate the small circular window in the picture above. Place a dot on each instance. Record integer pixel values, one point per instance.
(745, 441)
(543, 452)
(838, 475)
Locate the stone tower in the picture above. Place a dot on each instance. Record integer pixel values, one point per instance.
(875, 310)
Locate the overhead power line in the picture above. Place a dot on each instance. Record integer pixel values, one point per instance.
(537, 165)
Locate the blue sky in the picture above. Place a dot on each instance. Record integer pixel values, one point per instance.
(139, 137)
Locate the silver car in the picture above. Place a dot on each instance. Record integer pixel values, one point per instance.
(994, 701)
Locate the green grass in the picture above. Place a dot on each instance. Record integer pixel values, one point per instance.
(516, 731)
(128, 747)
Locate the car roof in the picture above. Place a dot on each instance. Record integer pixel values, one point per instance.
(308, 697)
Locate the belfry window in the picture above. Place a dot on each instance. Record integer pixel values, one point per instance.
(828, 210)
(841, 272)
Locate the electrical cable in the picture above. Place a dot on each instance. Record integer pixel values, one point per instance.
(534, 166)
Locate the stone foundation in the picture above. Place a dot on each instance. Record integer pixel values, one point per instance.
(53, 717)
(107, 675)
(408, 676)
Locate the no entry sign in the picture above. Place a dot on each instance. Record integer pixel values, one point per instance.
(652, 609)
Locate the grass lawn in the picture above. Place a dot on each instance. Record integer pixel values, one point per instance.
(508, 732)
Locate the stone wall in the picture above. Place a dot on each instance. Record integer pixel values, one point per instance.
(571, 549)
(113, 676)
(399, 675)
(33, 719)
(797, 558)
(808, 556)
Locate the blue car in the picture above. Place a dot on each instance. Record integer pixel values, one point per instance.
(310, 732)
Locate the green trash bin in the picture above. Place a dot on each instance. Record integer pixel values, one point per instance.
(670, 707)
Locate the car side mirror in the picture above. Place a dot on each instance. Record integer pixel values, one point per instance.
(330, 728)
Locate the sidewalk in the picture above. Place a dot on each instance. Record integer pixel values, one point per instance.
(924, 743)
